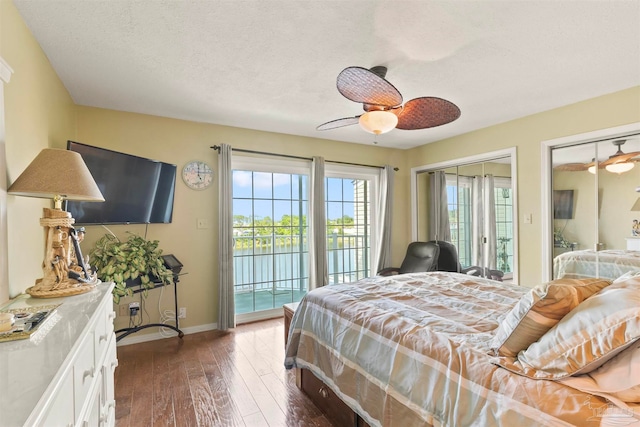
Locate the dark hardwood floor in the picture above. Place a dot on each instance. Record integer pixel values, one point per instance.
(212, 379)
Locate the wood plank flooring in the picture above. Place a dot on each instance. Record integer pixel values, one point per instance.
(212, 379)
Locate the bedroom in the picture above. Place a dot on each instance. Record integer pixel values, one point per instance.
(40, 113)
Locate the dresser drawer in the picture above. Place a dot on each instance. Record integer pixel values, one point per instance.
(102, 335)
(60, 413)
(84, 373)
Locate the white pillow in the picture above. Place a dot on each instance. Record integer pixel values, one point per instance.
(620, 376)
(593, 333)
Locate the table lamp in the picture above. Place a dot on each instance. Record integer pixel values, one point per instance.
(60, 174)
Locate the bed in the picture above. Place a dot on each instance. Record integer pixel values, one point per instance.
(415, 350)
(611, 263)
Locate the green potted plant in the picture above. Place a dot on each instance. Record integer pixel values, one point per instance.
(135, 261)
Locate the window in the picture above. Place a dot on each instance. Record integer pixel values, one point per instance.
(270, 211)
(348, 195)
(270, 234)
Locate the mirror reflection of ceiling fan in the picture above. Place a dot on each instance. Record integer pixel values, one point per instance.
(382, 104)
(618, 163)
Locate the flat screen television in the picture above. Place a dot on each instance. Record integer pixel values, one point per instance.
(563, 204)
(136, 190)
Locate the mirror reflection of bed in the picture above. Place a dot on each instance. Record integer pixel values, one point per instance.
(597, 239)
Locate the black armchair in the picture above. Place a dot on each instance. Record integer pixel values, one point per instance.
(448, 261)
(420, 257)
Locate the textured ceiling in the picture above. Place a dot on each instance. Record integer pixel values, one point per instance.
(272, 65)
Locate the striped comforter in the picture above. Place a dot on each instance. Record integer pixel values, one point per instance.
(413, 350)
(610, 264)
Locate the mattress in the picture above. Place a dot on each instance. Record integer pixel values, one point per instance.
(413, 350)
(606, 264)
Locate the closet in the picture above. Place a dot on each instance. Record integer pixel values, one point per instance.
(593, 197)
(470, 202)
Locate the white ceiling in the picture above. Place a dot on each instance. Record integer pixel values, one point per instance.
(272, 65)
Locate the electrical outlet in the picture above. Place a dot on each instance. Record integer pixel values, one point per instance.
(134, 307)
(124, 309)
(182, 313)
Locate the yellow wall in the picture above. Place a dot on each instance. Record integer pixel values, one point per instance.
(178, 141)
(611, 110)
(616, 196)
(39, 113)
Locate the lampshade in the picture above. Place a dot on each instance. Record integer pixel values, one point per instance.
(636, 206)
(56, 173)
(59, 174)
(378, 121)
(620, 167)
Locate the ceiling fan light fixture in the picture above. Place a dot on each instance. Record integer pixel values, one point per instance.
(378, 121)
(620, 167)
(592, 169)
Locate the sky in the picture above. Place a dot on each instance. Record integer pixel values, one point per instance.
(277, 194)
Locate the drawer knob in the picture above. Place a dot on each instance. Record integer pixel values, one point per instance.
(323, 392)
(88, 373)
(112, 315)
(103, 338)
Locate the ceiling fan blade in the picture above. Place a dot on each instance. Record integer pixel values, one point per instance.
(572, 167)
(620, 158)
(426, 112)
(338, 123)
(361, 85)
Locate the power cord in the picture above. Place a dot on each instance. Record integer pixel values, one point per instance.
(167, 316)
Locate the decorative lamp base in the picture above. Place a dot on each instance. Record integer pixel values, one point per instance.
(38, 291)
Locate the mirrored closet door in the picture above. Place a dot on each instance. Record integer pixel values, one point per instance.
(470, 203)
(595, 208)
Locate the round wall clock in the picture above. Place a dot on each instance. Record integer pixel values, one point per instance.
(197, 175)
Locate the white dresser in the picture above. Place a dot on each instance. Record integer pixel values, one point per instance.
(63, 374)
(633, 243)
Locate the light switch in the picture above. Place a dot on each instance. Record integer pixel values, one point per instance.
(528, 218)
(202, 223)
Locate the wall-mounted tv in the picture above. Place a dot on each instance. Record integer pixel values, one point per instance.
(562, 204)
(136, 190)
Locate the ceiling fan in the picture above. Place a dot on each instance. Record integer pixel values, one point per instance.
(382, 104)
(618, 163)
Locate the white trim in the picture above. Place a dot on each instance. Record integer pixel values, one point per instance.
(477, 158)
(259, 164)
(545, 179)
(135, 339)
(5, 71)
(259, 315)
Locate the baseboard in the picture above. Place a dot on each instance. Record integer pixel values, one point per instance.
(135, 339)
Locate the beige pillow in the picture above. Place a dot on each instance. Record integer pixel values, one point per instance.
(539, 310)
(586, 338)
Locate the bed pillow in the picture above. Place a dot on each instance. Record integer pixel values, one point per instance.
(585, 339)
(619, 377)
(539, 310)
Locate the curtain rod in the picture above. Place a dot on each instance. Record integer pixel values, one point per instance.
(289, 156)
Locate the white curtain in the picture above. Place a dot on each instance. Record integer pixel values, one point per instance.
(483, 222)
(477, 221)
(490, 222)
(383, 252)
(318, 273)
(226, 305)
(438, 207)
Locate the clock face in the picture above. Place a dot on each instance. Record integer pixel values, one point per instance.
(197, 175)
